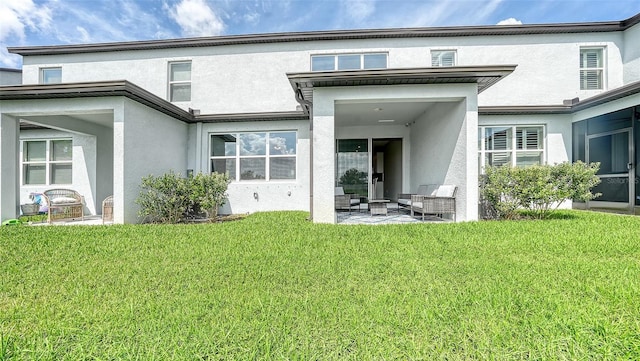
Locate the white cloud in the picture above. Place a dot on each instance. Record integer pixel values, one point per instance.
(16, 15)
(251, 18)
(358, 10)
(509, 21)
(196, 18)
(9, 60)
(84, 34)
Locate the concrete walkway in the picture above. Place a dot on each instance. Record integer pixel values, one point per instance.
(88, 221)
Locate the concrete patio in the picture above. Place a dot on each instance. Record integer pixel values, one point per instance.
(394, 216)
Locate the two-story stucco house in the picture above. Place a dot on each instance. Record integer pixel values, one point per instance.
(291, 116)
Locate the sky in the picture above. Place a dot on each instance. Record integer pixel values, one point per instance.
(56, 22)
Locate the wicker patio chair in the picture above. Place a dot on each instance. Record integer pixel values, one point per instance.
(443, 202)
(64, 204)
(107, 209)
(346, 201)
(404, 199)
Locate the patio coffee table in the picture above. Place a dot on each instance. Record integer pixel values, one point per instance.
(378, 206)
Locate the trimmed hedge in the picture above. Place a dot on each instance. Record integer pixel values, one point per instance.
(170, 198)
(539, 189)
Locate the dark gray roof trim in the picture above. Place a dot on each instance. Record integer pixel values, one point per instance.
(134, 92)
(524, 109)
(611, 95)
(251, 117)
(94, 89)
(11, 70)
(482, 30)
(484, 76)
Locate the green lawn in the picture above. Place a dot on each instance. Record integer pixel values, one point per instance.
(274, 286)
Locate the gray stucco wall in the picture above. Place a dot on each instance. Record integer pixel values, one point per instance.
(10, 76)
(631, 57)
(146, 142)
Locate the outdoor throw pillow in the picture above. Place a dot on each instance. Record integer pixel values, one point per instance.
(63, 200)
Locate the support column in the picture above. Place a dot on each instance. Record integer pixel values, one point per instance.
(471, 131)
(118, 166)
(9, 167)
(323, 158)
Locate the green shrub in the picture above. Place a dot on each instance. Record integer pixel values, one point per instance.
(207, 192)
(539, 189)
(170, 198)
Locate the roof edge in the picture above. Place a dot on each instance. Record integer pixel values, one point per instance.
(611, 95)
(248, 117)
(523, 109)
(138, 94)
(478, 30)
(614, 94)
(94, 89)
(11, 70)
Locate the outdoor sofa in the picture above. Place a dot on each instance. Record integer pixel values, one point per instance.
(430, 199)
(64, 204)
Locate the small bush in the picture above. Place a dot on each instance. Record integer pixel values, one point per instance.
(207, 192)
(539, 189)
(169, 198)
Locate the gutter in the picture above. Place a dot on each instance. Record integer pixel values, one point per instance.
(332, 35)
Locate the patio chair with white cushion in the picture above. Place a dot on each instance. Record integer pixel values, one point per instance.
(441, 203)
(346, 201)
(64, 204)
(404, 199)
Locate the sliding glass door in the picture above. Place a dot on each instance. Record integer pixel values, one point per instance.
(352, 166)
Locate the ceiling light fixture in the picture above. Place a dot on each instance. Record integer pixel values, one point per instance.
(377, 109)
(386, 120)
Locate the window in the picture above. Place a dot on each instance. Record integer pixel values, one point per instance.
(180, 81)
(255, 156)
(50, 75)
(348, 61)
(510, 145)
(46, 162)
(591, 68)
(443, 58)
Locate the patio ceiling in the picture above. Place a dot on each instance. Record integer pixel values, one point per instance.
(485, 76)
(380, 112)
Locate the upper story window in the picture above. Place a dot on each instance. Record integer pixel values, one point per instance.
(348, 61)
(50, 75)
(592, 68)
(511, 145)
(47, 162)
(443, 58)
(180, 81)
(255, 156)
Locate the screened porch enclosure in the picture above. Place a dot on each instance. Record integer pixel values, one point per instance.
(613, 140)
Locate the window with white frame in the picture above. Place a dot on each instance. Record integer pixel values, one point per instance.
(47, 162)
(255, 156)
(180, 81)
(348, 61)
(592, 68)
(50, 75)
(511, 145)
(443, 58)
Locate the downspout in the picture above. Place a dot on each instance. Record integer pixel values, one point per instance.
(309, 107)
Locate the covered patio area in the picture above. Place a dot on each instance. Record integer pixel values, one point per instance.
(98, 139)
(379, 133)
